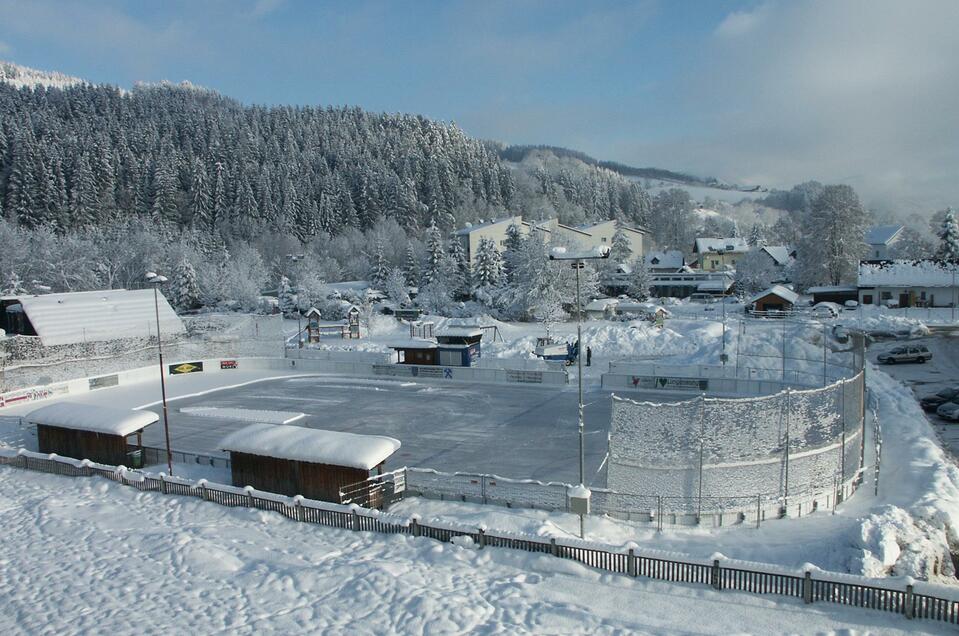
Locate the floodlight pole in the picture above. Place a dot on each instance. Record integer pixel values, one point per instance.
(155, 281)
(577, 264)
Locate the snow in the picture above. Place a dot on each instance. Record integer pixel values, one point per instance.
(312, 445)
(25, 77)
(198, 568)
(87, 417)
(245, 415)
(733, 244)
(566, 254)
(779, 253)
(882, 234)
(413, 343)
(99, 315)
(460, 332)
(777, 290)
(578, 491)
(902, 273)
(671, 259)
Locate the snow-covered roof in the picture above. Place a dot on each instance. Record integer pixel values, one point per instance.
(472, 227)
(600, 304)
(780, 254)
(76, 317)
(413, 343)
(634, 307)
(670, 259)
(586, 227)
(89, 417)
(901, 273)
(826, 289)
(777, 290)
(882, 234)
(734, 244)
(565, 253)
(460, 332)
(311, 445)
(721, 284)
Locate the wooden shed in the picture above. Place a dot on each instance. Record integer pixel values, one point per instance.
(416, 351)
(294, 460)
(84, 431)
(776, 299)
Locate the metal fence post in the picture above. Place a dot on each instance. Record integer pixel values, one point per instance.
(759, 510)
(162, 484)
(415, 524)
(553, 548)
(631, 562)
(715, 575)
(908, 608)
(356, 519)
(482, 538)
(807, 587)
(659, 513)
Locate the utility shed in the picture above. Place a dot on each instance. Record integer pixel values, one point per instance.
(415, 351)
(85, 431)
(63, 319)
(458, 346)
(293, 460)
(775, 299)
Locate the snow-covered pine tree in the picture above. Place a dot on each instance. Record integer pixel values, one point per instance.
(379, 267)
(462, 272)
(620, 250)
(757, 236)
(640, 280)
(286, 297)
(755, 272)
(511, 250)
(949, 237)
(411, 268)
(488, 269)
(434, 254)
(186, 291)
(395, 286)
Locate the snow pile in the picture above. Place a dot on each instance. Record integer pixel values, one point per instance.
(88, 417)
(312, 445)
(244, 415)
(919, 483)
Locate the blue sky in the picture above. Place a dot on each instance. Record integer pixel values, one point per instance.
(859, 91)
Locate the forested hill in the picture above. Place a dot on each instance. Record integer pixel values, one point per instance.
(81, 156)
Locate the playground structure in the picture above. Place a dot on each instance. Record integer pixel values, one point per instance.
(317, 329)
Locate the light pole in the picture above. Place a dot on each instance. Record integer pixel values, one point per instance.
(293, 258)
(156, 280)
(576, 262)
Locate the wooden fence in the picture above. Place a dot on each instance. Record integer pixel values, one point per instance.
(855, 591)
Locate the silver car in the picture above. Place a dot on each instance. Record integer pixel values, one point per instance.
(905, 353)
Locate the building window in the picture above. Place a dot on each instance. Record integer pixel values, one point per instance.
(867, 299)
(922, 295)
(604, 239)
(885, 295)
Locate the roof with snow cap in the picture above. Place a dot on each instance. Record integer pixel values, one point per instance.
(777, 290)
(316, 446)
(88, 417)
(733, 244)
(780, 254)
(459, 331)
(902, 273)
(882, 234)
(77, 317)
(670, 259)
(413, 343)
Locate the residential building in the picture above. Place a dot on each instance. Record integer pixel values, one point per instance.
(602, 234)
(718, 254)
(904, 283)
(665, 262)
(881, 240)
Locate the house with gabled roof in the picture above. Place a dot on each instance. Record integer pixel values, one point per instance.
(881, 240)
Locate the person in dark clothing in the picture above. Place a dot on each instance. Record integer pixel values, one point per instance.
(589, 356)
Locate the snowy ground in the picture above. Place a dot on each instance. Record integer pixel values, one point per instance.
(90, 556)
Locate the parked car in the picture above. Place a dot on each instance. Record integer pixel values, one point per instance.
(949, 411)
(826, 310)
(702, 298)
(906, 353)
(851, 305)
(934, 401)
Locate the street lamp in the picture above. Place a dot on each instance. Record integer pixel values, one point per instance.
(155, 280)
(576, 259)
(293, 258)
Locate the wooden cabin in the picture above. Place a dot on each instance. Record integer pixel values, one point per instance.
(84, 431)
(775, 300)
(458, 346)
(294, 460)
(416, 351)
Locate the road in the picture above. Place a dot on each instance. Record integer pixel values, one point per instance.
(938, 373)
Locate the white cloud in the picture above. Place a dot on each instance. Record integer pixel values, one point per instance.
(858, 92)
(739, 23)
(265, 7)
